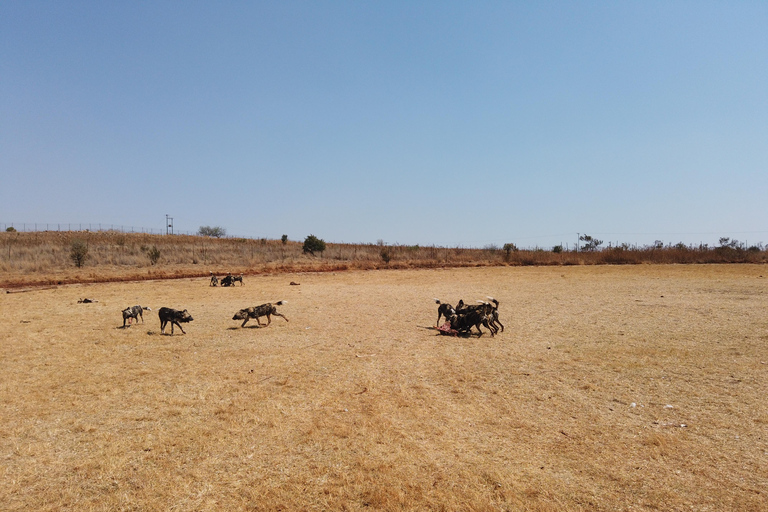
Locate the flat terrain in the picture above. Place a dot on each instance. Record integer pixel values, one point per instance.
(611, 388)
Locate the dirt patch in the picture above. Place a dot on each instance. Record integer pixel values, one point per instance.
(611, 388)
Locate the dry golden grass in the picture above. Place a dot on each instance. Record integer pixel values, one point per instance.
(612, 388)
(44, 258)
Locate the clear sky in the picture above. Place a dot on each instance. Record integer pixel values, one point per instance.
(414, 122)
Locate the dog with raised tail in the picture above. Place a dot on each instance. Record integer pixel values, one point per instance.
(134, 313)
(256, 312)
(443, 310)
(493, 317)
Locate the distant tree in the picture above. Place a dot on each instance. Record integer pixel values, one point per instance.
(726, 242)
(313, 244)
(590, 243)
(212, 231)
(78, 252)
(557, 249)
(284, 239)
(10, 229)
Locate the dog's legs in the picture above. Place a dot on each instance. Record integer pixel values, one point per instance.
(180, 327)
(245, 321)
(280, 315)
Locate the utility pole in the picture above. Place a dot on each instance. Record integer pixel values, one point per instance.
(578, 236)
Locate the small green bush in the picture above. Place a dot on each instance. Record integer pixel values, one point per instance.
(312, 244)
(78, 252)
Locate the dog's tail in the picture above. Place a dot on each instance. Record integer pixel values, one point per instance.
(147, 309)
(280, 302)
(437, 301)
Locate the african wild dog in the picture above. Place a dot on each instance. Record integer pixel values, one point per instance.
(214, 280)
(227, 280)
(491, 311)
(174, 317)
(267, 310)
(464, 321)
(238, 278)
(493, 318)
(484, 309)
(133, 313)
(445, 310)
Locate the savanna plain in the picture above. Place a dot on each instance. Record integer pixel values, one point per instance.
(637, 387)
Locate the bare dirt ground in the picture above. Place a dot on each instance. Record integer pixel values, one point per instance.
(611, 388)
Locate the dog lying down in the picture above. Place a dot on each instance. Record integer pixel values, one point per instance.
(266, 310)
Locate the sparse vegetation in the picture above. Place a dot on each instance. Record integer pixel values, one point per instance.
(153, 254)
(386, 254)
(31, 257)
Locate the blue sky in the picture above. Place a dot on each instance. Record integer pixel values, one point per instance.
(448, 123)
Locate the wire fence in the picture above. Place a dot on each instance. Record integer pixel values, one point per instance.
(31, 227)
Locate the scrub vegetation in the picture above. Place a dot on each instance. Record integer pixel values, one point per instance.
(48, 257)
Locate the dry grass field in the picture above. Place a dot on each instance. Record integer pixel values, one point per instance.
(638, 387)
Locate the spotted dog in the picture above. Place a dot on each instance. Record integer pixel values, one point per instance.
(444, 310)
(134, 313)
(267, 310)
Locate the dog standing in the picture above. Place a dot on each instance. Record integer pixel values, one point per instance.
(173, 316)
(214, 280)
(267, 310)
(444, 310)
(133, 313)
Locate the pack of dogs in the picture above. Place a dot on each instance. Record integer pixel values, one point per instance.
(463, 317)
(228, 280)
(175, 318)
(459, 320)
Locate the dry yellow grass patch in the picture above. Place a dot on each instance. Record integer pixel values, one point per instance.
(612, 388)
